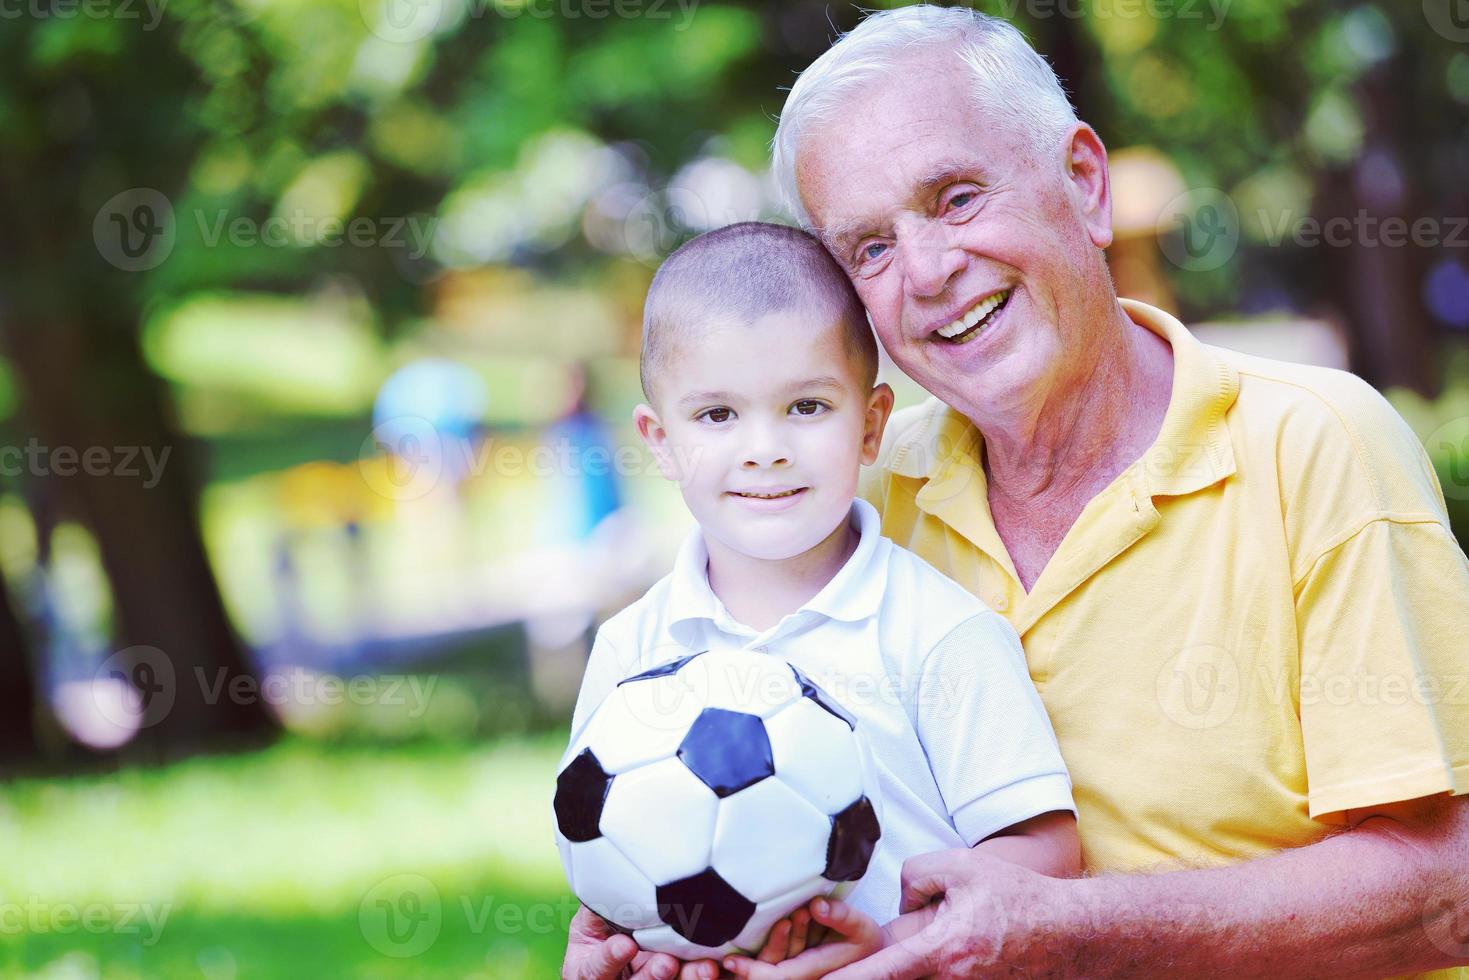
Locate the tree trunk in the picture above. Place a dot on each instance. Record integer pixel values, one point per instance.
(88, 390)
(18, 689)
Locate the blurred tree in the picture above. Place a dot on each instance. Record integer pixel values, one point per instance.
(87, 103)
(18, 693)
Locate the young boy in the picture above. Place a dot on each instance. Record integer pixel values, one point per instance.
(759, 370)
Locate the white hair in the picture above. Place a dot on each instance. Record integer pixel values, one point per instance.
(1011, 80)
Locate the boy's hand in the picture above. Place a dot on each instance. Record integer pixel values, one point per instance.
(595, 952)
(853, 935)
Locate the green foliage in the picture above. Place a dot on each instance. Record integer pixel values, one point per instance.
(268, 864)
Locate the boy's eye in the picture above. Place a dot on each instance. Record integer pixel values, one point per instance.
(808, 406)
(715, 415)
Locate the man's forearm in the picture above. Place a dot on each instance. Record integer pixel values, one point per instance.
(1351, 905)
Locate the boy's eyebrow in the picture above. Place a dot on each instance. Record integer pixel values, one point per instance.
(695, 397)
(819, 381)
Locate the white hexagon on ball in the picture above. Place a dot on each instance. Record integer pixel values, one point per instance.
(739, 680)
(662, 818)
(769, 841)
(611, 885)
(817, 755)
(640, 722)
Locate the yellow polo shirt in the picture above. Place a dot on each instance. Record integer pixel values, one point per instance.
(1258, 625)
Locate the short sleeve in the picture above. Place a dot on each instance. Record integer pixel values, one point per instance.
(1383, 619)
(605, 668)
(989, 743)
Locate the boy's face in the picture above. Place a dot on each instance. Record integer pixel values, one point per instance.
(750, 411)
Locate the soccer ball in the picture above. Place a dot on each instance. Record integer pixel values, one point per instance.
(708, 798)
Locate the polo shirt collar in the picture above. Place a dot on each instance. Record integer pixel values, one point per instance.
(1192, 451)
(854, 593)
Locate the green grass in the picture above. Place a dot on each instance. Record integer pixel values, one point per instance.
(289, 862)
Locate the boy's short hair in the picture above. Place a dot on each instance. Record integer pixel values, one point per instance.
(746, 271)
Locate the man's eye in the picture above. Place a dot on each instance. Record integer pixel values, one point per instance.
(715, 415)
(872, 250)
(808, 406)
(961, 200)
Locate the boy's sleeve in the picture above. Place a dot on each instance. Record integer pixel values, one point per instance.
(605, 667)
(989, 743)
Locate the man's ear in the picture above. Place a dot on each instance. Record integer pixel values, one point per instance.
(650, 428)
(879, 407)
(1090, 184)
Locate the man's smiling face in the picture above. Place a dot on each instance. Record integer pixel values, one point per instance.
(964, 244)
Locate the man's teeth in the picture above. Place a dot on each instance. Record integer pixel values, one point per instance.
(770, 496)
(981, 311)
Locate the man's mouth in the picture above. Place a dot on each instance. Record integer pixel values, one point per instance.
(767, 495)
(968, 326)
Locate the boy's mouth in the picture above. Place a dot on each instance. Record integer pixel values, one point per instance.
(767, 494)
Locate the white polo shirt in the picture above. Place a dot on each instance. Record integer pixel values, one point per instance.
(937, 681)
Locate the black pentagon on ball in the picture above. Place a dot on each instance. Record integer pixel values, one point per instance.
(581, 789)
(854, 836)
(728, 750)
(704, 908)
(662, 670)
(826, 701)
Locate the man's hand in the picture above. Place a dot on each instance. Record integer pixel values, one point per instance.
(982, 905)
(1396, 881)
(595, 952)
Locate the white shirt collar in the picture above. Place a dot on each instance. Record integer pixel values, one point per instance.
(853, 594)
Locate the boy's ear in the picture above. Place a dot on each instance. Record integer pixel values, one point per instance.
(879, 407)
(650, 428)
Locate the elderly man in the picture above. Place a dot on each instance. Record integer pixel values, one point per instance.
(1233, 578)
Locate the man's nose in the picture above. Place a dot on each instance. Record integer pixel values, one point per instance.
(930, 261)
